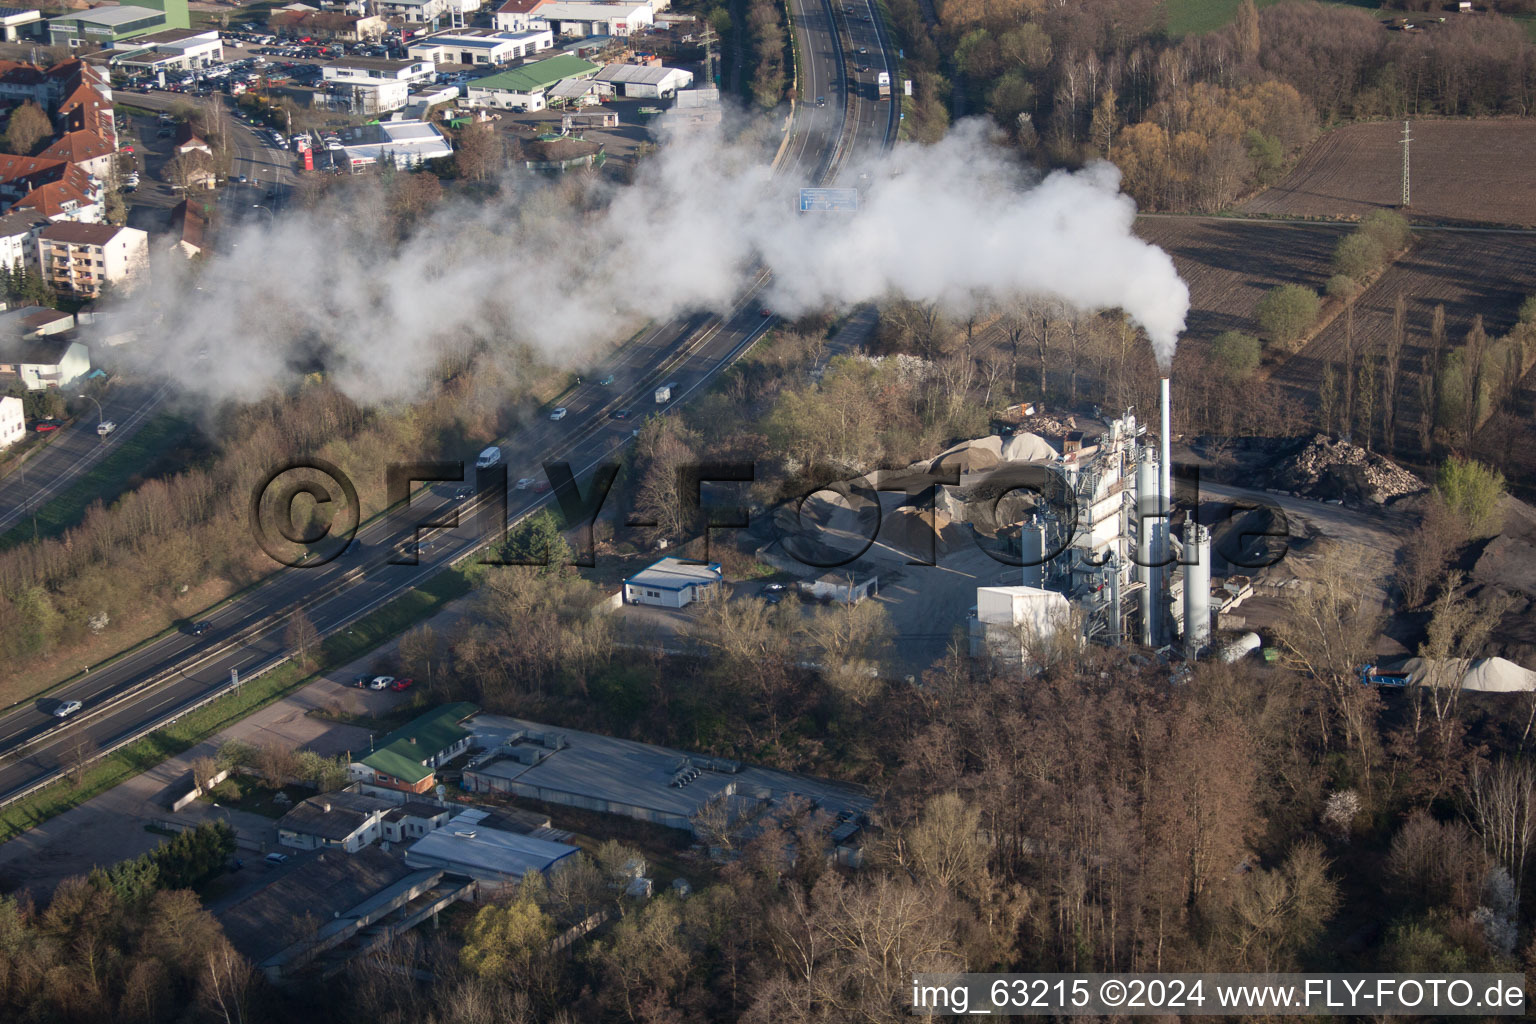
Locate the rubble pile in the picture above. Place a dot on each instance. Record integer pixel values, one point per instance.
(1337, 470)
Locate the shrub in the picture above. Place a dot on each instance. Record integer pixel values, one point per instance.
(1474, 491)
(1528, 310)
(1235, 355)
(1358, 255)
(1287, 312)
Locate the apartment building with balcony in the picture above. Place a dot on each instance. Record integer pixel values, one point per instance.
(80, 259)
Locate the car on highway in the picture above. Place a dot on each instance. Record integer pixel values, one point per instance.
(462, 493)
(620, 414)
(606, 381)
(765, 312)
(199, 628)
(558, 413)
(381, 682)
(821, 101)
(67, 708)
(523, 483)
(105, 427)
(240, 179)
(401, 685)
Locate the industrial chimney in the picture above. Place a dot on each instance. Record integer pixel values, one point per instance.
(1163, 573)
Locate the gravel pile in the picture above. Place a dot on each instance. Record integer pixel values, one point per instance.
(1329, 469)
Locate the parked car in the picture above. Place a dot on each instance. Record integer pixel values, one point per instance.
(523, 483)
(44, 426)
(558, 413)
(274, 859)
(361, 682)
(381, 682)
(401, 685)
(67, 708)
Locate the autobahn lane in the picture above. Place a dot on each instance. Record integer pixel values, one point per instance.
(148, 685)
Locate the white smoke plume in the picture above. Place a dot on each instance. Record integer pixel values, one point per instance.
(957, 223)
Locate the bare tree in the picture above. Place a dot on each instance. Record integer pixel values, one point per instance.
(1503, 803)
(79, 751)
(1391, 364)
(302, 637)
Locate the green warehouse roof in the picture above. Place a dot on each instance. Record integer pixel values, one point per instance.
(541, 74)
(403, 752)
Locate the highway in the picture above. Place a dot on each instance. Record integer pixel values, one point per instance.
(152, 684)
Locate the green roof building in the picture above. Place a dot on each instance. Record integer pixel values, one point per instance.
(524, 88)
(107, 26)
(408, 758)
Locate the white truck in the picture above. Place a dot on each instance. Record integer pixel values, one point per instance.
(664, 394)
(488, 458)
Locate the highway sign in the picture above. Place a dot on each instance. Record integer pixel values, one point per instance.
(829, 200)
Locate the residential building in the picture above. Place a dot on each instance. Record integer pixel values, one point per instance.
(79, 259)
(324, 902)
(172, 50)
(416, 12)
(640, 81)
(85, 149)
(13, 421)
(414, 819)
(470, 845)
(18, 240)
(516, 15)
(189, 225)
(524, 88)
(403, 143)
(593, 19)
(49, 188)
(327, 25)
(18, 23)
(344, 821)
(408, 758)
(187, 140)
(672, 583)
(48, 361)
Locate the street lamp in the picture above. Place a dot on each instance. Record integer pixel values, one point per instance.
(264, 209)
(99, 415)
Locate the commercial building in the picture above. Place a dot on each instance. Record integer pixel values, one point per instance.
(180, 49)
(640, 81)
(407, 759)
(17, 23)
(13, 421)
(416, 12)
(672, 583)
(80, 259)
(326, 25)
(344, 821)
(374, 85)
(472, 48)
(593, 19)
(412, 820)
(102, 27)
(476, 845)
(524, 88)
(403, 143)
(42, 361)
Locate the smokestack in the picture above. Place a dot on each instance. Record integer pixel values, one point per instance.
(1164, 486)
(1164, 573)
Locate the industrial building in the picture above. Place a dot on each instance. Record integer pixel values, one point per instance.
(344, 821)
(475, 844)
(672, 583)
(638, 780)
(646, 81)
(480, 48)
(104, 27)
(525, 88)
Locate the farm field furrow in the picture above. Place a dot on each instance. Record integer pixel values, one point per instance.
(1466, 171)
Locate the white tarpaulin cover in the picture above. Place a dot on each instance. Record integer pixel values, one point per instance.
(1494, 675)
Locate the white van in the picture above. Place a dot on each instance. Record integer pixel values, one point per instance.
(488, 458)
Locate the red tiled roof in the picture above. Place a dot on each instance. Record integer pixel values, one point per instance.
(519, 6)
(77, 147)
(30, 170)
(79, 234)
(49, 199)
(191, 222)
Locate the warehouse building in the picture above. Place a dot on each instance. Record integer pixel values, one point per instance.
(640, 81)
(475, 845)
(525, 88)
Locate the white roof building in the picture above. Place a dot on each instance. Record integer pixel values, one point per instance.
(587, 19)
(405, 143)
(646, 81)
(671, 583)
(467, 846)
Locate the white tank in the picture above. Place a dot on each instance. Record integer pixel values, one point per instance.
(1197, 589)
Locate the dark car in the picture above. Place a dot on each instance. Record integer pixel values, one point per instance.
(462, 493)
(361, 682)
(199, 628)
(772, 598)
(619, 414)
(821, 101)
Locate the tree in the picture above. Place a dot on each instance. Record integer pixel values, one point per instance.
(1473, 491)
(301, 637)
(1387, 228)
(510, 942)
(189, 170)
(412, 196)
(1287, 312)
(1503, 802)
(1391, 365)
(28, 126)
(537, 541)
(1235, 355)
(1358, 256)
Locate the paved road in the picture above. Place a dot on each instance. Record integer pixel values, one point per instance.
(152, 683)
(75, 449)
